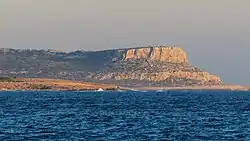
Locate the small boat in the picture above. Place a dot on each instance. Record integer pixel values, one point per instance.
(100, 90)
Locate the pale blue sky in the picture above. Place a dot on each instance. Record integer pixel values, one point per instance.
(214, 33)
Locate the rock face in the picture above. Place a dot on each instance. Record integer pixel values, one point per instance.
(144, 72)
(143, 66)
(165, 54)
(156, 66)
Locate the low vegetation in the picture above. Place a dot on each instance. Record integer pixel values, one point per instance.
(9, 79)
(39, 87)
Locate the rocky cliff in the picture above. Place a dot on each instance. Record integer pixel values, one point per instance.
(165, 54)
(144, 66)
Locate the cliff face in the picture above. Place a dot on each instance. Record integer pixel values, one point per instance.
(154, 72)
(144, 66)
(161, 66)
(165, 54)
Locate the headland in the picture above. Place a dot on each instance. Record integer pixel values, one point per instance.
(159, 67)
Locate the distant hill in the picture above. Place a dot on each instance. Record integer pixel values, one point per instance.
(133, 67)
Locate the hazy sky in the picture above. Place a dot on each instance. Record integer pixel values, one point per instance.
(214, 33)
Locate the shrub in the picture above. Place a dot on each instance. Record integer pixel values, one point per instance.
(7, 79)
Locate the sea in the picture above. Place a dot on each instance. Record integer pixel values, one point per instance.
(178, 115)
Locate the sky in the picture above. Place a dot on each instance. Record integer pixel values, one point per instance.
(215, 33)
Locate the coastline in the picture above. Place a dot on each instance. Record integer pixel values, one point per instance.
(213, 87)
(44, 84)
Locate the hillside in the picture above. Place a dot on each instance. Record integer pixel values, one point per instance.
(137, 67)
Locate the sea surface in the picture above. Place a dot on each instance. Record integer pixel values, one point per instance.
(129, 116)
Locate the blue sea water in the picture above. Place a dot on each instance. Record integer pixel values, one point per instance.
(128, 116)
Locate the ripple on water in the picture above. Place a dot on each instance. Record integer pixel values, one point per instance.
(171, 115)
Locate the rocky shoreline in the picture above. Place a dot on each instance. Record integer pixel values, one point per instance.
(214, 87)
(44, 84)
(31, 84)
